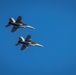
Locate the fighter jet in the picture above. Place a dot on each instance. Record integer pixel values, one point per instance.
(17, 24)
(27, 42)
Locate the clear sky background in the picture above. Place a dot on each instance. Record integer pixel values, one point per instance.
(55, 23)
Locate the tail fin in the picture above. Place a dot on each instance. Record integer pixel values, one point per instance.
(11, 20)
(21, 39)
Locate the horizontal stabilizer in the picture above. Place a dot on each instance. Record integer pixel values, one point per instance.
(8, 25)
(17, 44)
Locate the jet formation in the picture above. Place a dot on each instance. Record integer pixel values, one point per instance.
(19, 24)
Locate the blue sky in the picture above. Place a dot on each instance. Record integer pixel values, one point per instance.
(55, 23)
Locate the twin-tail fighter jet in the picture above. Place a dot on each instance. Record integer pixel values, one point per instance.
(17, 24)
(27, 42)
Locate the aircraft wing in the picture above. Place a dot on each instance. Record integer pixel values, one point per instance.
(23, 47)
(19, 19)
(28, 38)
(14, 29)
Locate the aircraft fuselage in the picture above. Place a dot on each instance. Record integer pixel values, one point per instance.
(17, 24)
(27, 43)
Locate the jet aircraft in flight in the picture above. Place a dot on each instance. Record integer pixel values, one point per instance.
(27, 42)
(17, 24)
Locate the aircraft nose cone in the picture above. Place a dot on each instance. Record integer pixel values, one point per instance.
(28, 26)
